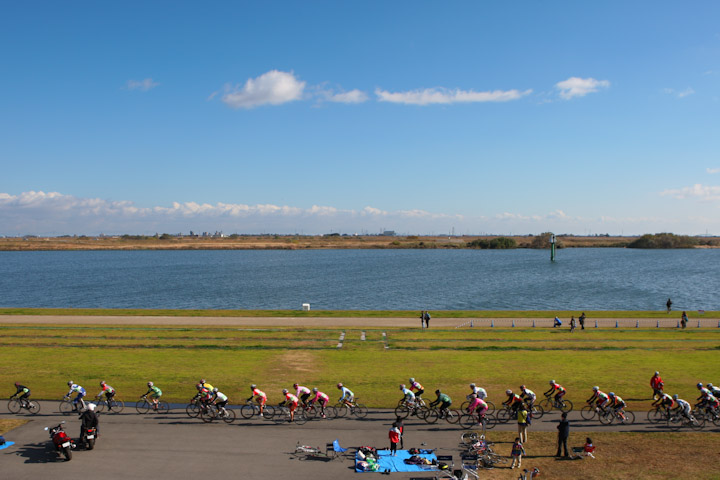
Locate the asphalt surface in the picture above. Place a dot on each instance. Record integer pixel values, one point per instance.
(176, 446)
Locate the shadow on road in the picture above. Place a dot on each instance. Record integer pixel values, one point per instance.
(38, 453)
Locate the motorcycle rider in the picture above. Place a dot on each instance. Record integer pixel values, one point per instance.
(89, 420)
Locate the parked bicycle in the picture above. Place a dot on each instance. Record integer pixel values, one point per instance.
(146, 406)
(15, 406)
(113, 406)
(550, 403)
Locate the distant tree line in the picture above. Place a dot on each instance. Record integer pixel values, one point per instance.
(664, 240)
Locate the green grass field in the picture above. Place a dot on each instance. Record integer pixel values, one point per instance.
(45, 357)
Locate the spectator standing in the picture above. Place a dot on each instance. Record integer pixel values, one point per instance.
(394, 435)
(668, 304)
(572, 324)
(400, 426)
(523, 423)
(656, 383)
(517, 452)
(563, 434)
(427, 319)
(684, 320)
(581, 319)
(422, 318)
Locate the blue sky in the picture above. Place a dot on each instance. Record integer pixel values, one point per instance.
(315, 117)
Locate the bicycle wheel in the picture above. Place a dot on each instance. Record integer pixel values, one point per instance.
(163, 407)
(360, 410)
(402, 411)
(464, 405)
(422, 412)
(269, 412)
(34, 407)
(468, 420)
(655, 415)
(66, 407)
(142, 407)
(282, 415)
(229, 415)
(311, 412)
(452, 416)
(567, 406)
(247, 411)
(468, 438)
(504, 415)
(341, 410)
(546, 405)
(300, 417)
(675, 422)
(588, 412)
(537, 412)
(117, 406)
(696, 424)
(192, 410)
(489, 421)
(431, 416)
(99, 406)
(14, 406)
(629, 418)
(606, 418)
(208, 414)
(491, 407)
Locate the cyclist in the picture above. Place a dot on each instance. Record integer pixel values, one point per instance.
(513, 401)
(80, 394)
(155, 393)
(714, 391)
(109, 393)
(416, 386)
(206, 385)
(478, 391)
(710, 403)
(291, 401)
(656, 384)
(443, 400)
(617, 404)
(598, 397)
(259, 396)
(703, 391)
(220, 400)
(683, 407)
(321, 398)
(347, 395)
(477, 405)
(303, 393)
(665, 401)
(528, 396)
(204, 395)
(25, 394)
(559, 393)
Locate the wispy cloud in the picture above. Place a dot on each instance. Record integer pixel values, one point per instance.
(702, 192)
(679, 94)
(141, 85)
(271, 88)
(353, 96)
(430, 96)
(713, 170)
(579, 87)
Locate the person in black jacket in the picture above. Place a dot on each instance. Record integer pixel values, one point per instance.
(563, 434)
(89, 419)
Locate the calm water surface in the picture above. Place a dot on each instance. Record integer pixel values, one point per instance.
(593, 279)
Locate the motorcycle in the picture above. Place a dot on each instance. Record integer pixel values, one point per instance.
(88, 437)
(61, 441)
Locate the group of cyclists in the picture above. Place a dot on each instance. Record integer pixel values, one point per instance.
(707, 402)
(303, 396)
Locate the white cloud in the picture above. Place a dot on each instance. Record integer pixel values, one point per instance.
(702, 192)
(713, 170)
(431, 96)
(579, 87)
(142, 85)
(271, 88)
(681, 94)
(353, 96)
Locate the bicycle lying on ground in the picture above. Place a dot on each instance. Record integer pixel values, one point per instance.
(15, 405)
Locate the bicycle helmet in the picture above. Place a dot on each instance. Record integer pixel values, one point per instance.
(522, 387)
(285, 390)
(611, 394)
(472, 385)
(508, 392)
(595, 389)
(70, 382)
(402, 386)
(199, 386)
(339, 385)
(253, 386)
(675, 397)
(699, 385)
(150, 384)
(657, 373)
(315, 390)
(202, 380)
(17, 384)
(295, 385)
(710, 386)
(215, 390)
(552, 382)
(437, 392)
(412, 380)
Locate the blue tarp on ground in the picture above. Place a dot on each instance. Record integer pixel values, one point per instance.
(397, 464)
(6, 444)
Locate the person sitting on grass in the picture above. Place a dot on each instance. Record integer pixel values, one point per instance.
(155, 393)
(25, 394)
(322, 400)
(291, 402)
(588, 448)
(259, 397)
(443, 400)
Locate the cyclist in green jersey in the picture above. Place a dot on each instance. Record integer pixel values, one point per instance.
(155, 393)
(443, 400)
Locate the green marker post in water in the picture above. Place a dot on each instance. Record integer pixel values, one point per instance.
(552, 247)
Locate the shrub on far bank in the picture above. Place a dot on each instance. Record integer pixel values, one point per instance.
(663, 240)
(498, 243)
(543, 241)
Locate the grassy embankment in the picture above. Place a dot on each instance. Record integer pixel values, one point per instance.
(44, 357)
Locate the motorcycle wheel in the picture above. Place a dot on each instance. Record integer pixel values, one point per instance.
(68, 454)
(90, 444)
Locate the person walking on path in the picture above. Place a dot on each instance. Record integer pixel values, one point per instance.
(581, 319)
(668, 305)
(422, 318)
(684, 320)
(572, 324)
(523, 422)
(517, 452)
(563, 434)
(426, 317)
(394, 436)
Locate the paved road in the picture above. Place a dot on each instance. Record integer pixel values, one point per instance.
(175, 446)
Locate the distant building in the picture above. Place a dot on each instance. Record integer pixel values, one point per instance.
(388, 233)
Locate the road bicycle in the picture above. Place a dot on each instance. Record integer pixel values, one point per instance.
(15, 405)
(470, 420)
(67, 406)
(449, 415)
(148, 405)
(282, 415)
(341, 409)
(212, 412)
(251, 409)
(677, 420)
(609, 415)
(507, 413)
(706, 415)
(551, 403)
(590, 411)
(115, 405)
(405, 409)
(657, 414)
(491, 406)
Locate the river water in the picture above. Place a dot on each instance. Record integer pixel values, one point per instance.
(588, 278)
